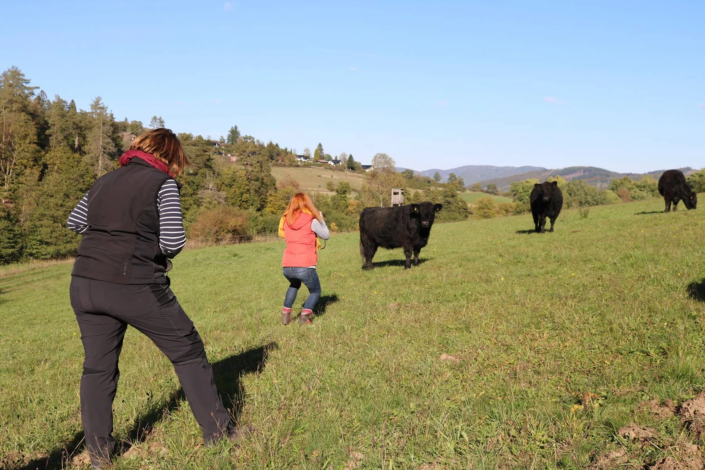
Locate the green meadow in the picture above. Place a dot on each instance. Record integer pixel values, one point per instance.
(503, 349)
(472, 197)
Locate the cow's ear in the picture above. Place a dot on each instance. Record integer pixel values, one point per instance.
(415, 208)
(537, 185)
(438, 207)
(554, 183)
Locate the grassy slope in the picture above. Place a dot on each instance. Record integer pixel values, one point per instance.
(536, 321)
(472, 197)
(314, 179)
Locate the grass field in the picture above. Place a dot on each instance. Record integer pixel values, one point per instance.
(314, 179)
(504, 349)
(472, 197)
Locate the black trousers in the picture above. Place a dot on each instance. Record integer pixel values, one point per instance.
(103, 311)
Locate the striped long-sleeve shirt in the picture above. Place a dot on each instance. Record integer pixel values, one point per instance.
(172, 236)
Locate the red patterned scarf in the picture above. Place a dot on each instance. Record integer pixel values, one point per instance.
(147, 157)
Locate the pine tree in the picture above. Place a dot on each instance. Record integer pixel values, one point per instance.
(66, 180)
(19, 143)
(101, 137)
(59, 126)
(437, 177)
(318, 154)
(233, 135)
(157, 122)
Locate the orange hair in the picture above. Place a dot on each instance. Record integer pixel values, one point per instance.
(299, 204)
(165, 146)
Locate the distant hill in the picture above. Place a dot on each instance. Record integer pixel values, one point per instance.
(594, 176)
(474, 173)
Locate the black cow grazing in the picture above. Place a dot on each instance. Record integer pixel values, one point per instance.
(673, 187)
(406, 227)
(546, 201)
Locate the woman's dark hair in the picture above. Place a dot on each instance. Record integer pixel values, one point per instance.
(165, 146)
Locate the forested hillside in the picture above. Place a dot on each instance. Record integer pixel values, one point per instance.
(598, 177)
(51, 152)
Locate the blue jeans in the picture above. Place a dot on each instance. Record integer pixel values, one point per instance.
(308, 276)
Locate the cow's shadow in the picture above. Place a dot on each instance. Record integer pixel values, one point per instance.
(649, 212)
(396, 262)
(227, 372)
(696, 290)
(527, 232)
(323, 304)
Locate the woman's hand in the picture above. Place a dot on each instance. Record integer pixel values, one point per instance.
(320, 213)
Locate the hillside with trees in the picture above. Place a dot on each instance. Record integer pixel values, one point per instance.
(51, 152)
(598, 177)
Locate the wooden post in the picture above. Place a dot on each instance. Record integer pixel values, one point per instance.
(397, 197)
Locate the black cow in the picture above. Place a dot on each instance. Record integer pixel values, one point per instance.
(673, 187)
(406, 227)
(546, 201)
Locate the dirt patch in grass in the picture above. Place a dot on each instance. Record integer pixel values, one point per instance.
(692, 414)
(662, 410)
(637, 433)
(685, 456)
(612, 459)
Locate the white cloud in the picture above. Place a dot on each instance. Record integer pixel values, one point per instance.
(442, 103)
(702, 105)
(216, 101)
(228, 5)
(352, 69)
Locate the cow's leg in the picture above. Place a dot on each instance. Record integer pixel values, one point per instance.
(536, 222)
(407, 254)
(416, 256)
(553, 221)
(675, 204)
(542, 223)
(668, 205)
(368, 248)
(370, 251)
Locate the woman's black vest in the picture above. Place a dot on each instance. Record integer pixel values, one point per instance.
(121, 244)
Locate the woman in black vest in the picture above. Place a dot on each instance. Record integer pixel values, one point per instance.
(132, 224)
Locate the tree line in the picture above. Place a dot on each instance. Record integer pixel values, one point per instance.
(51, 152)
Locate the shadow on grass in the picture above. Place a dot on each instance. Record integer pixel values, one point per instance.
(323, 304)
(649, 212)
(526, 232)
(396, 262)
(227, 374)
(696, 290)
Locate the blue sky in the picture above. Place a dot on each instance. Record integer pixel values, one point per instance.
(618, 84)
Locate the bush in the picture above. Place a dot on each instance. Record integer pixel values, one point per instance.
(611, 197)
(262, 223)
(505, 208)
(223, 224)
(584, 212)
(484, 208)
(623, 194)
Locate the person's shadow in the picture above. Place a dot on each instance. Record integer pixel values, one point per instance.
(649, 212)
(323, 304)
(227, 374)
(696, 290)
(526, 232)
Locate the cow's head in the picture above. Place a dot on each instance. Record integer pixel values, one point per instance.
(691, 201)
(425, 212)
(546, 189)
